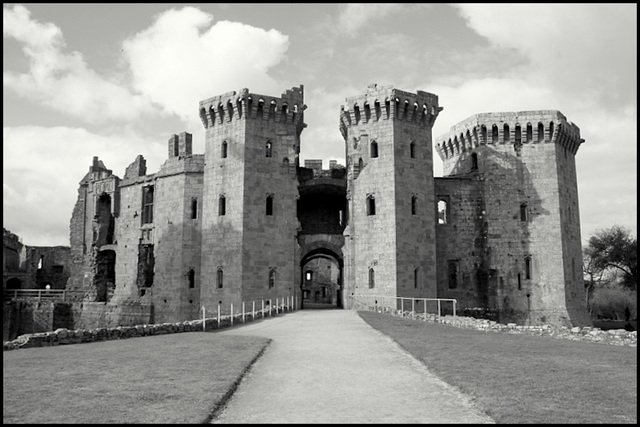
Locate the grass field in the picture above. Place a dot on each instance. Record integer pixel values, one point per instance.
(181, 378)
(522, 379)
(167, 379)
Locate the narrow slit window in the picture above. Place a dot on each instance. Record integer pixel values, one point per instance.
(523, 212)
(268, 149)
(270, 204)
(272, 278)
(519, 281)
(220, 278)
(371, 205)
(474, 161)
(415, 278)
(222, 206)
(414, 205)
(374, 149)
(194, 208)
(372, 278)
(453, 275)
(223, 150)
(412, 150)
(527, 268)
(443, 212)
(191, 276)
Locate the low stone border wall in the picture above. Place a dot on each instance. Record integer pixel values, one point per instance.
(68, 336)
(612, 336)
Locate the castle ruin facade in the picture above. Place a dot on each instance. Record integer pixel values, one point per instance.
(244, 221)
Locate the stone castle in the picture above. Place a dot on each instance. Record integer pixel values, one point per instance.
(244, 221)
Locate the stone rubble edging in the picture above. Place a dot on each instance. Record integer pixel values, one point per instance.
(618, 337)
(63, 336)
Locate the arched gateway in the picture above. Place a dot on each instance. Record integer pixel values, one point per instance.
(322, 215)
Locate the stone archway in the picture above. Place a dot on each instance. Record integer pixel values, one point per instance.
(322, 275)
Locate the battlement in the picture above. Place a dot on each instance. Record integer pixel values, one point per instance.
(233, 106)
(385, 102)
(520, 127)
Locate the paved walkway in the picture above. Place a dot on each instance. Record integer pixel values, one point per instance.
(330, 366)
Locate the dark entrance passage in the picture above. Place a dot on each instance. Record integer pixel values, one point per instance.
(321, 284)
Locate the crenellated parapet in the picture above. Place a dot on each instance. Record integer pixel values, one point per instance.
(516, 128)
(233, 106)
(387, 103)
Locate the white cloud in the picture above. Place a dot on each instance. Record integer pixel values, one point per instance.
(354, 16)
(43, 166)
(63, 81)
(182, 59)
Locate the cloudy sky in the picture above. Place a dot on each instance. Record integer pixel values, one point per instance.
(117, 80)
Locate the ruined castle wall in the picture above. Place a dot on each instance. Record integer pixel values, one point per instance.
(460, 242)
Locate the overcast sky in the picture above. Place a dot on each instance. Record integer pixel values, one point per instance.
(117, 80)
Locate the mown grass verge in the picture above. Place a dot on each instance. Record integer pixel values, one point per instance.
(524, 379)
(176, 378)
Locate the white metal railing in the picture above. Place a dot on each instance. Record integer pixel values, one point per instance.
(267, 309)
(42, 294)
(384, 303)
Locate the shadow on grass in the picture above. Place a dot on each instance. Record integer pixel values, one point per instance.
(524, 379)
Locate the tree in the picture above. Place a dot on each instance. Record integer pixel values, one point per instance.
(610, 251)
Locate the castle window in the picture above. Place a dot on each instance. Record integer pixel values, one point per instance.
(272, 278)
(540, 132)
(222, 206)
(474, 161)
(371, 205)
(176, 148)
(147, 204)
(415, 278)
(191, 277)
(378, 110)
(483, 130)
(309, 275)
(453, 274)
(356, 113)
(414, 205)
(494, 134)
(443, 211)
(270, 204)
(506, 134)
(529, 132)
(219, 277)
(223, 153)
(268, 149)
(519, 282)
(372, 278)
(367, 112)
(573, 268)
(360, 165)
(412, 150)
(523, 212)
(550, 131)
(194, 208)
(518, 134)
(374, 149)
(527, 268)
(41, 262)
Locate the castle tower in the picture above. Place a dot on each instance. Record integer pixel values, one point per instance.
(249, 198)
(527, 245)
(390, 237)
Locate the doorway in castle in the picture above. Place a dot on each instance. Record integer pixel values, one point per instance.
(321, 284)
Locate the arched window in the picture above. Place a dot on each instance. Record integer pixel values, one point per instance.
(414, 205)
(223, 150)
(506, 133)
(268, 149)
(222, 206)
(371, 205)
(272, 278)
(412, 150)
(360, 165)
(523, 212)
(494, 134)
(374, 149)
(540, 132)
(453, 275)
(270, 204)
(219, 278)
(483, 131)
(194, 208)
(191, 277)
(474, 161)
(443, 212)
(529, 132)
(518, 134)
(372, 278)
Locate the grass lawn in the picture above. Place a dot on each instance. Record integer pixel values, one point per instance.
(174, 378)
(524, 379)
